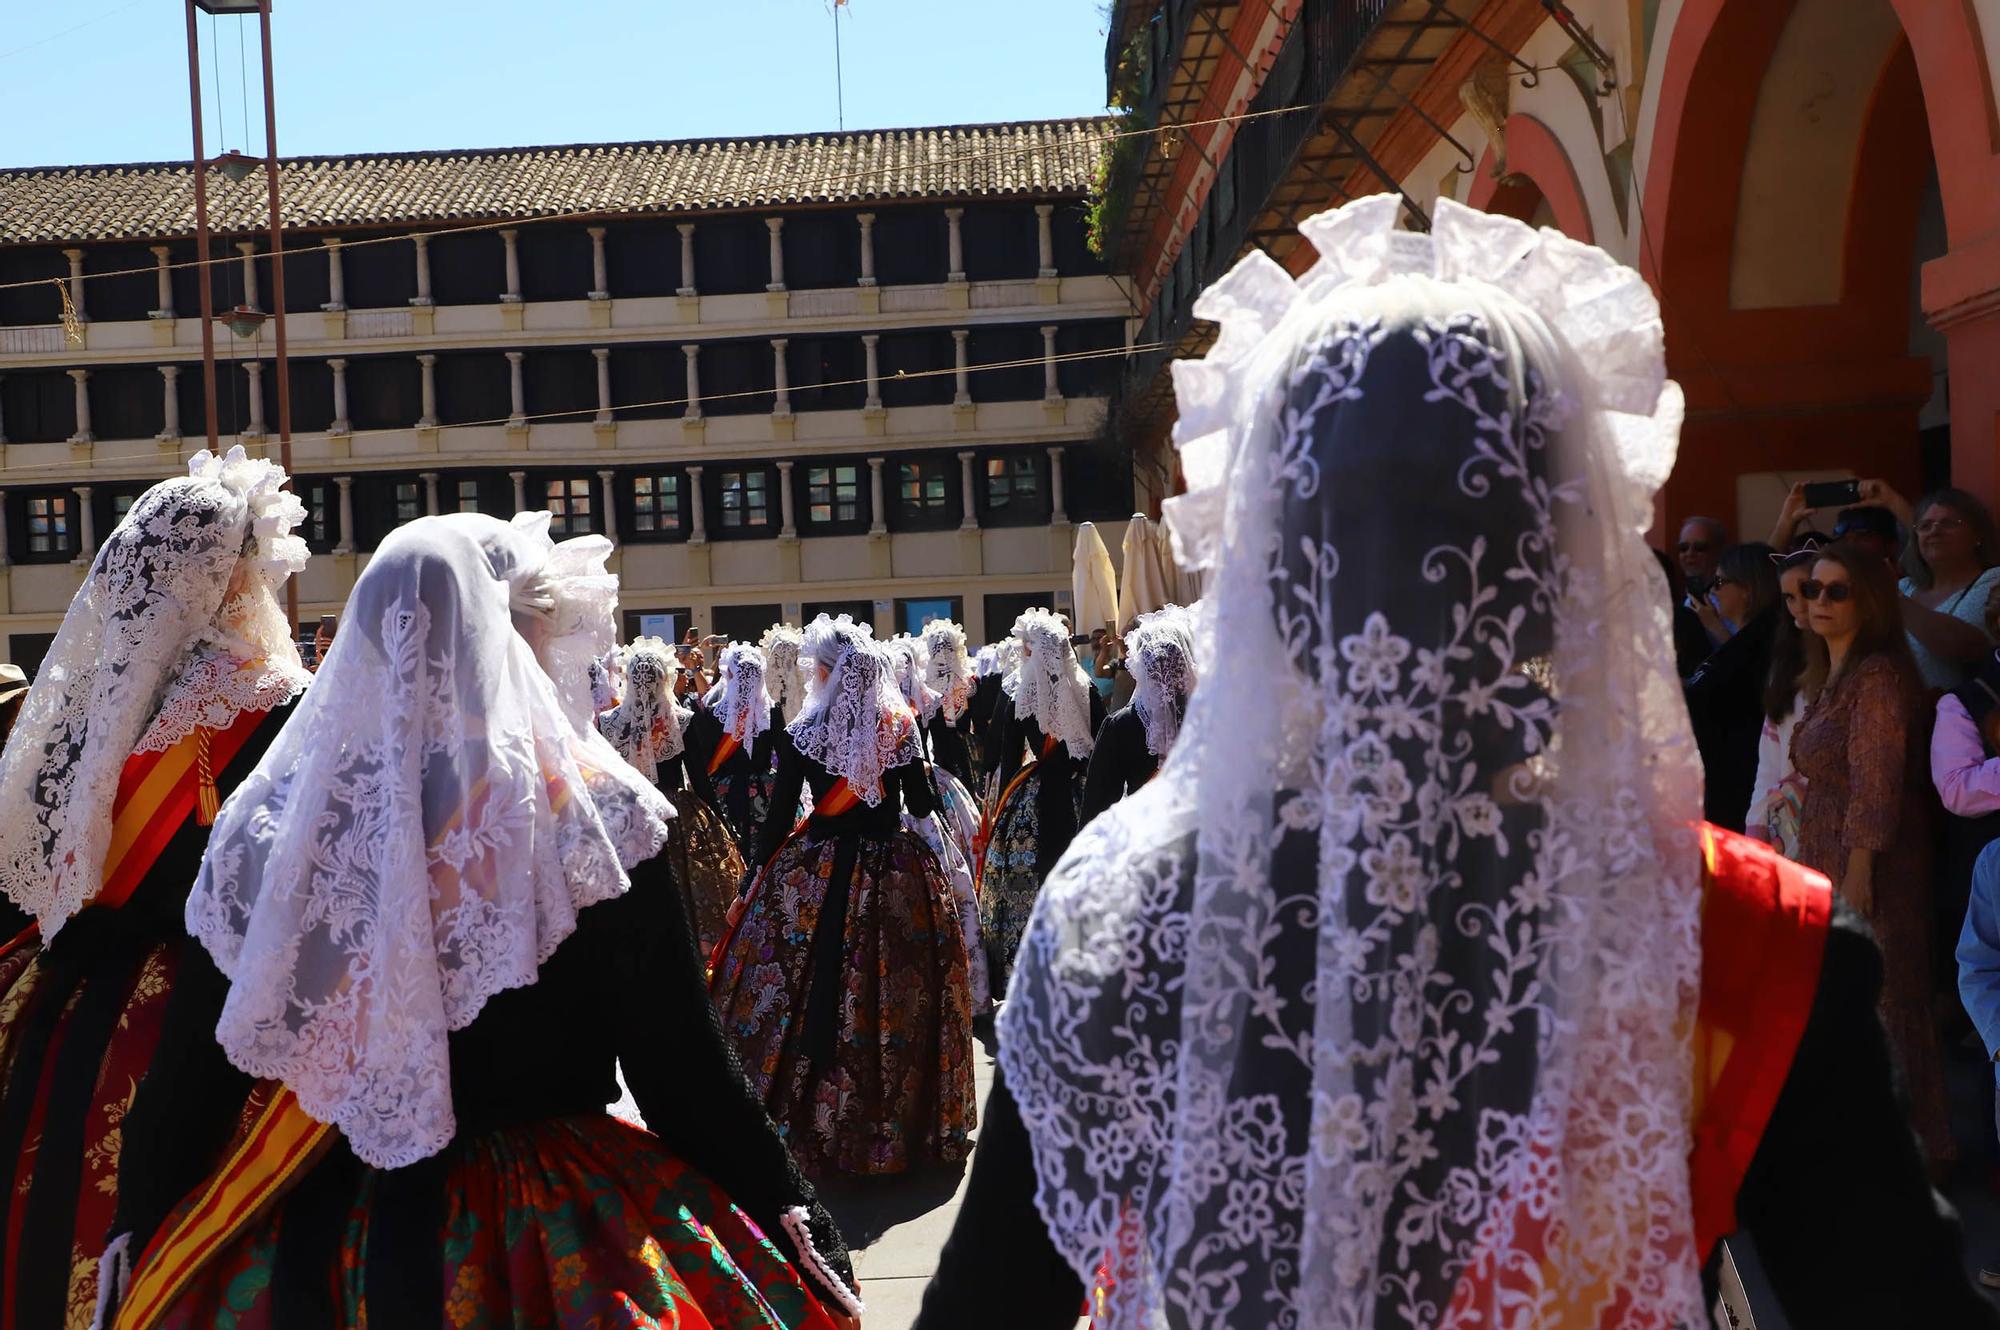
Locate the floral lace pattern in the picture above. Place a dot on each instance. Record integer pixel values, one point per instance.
(784, 677)
(1161, 650)
(181, 585)
(1368, 1011)
(739, 699)
(647, 728)
(947, 668)
(856, 724)
(1049, 683)
(419, 837)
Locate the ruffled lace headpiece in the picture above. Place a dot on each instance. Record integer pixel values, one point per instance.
(1050, 683)
(912, 671)
(739, 699)
(420, 836)
(176, 627)
(647, 726)
(1371, 1009)
(1160, 653)
(948, 668)
(784, 677)
(856, 723)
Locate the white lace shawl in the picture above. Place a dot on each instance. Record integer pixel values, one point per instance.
(784, 676)
(647, 727)
(912, 668)
(986, 660)
(1050, 683)
(947, 669)
(1371, 1010)
(1160, 652)
(174, 627)
(420, 836)
(856, 723)
(739, 699)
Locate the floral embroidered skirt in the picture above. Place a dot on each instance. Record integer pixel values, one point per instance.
(1009, 873)
(707, 866)
(73, 1054)
(888, 1086)
(577, 1223)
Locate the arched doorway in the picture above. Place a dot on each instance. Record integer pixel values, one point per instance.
(1790, 204)
(1539, 185)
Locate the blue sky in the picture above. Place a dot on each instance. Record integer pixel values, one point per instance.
(106, 80)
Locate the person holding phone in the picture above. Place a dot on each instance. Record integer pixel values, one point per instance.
(1950, 566)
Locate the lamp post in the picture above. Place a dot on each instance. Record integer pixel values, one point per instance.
(237, 166)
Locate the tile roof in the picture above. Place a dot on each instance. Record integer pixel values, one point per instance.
(40, 205)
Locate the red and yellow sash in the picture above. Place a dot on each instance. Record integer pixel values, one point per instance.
(840, 798)
(280, 1145)
(728, 748)
(991, 821)
(157, 793)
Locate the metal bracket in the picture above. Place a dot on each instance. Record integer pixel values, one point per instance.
(1531, 77)
(1597, 55)
(1417, 214)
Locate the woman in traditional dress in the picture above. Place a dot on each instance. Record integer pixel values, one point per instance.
(845, 983)
(784, 674)
(1409, 995)
(646, 729)
(170, 674)
(439, 917)
(948, 725)
(1159, 655)
(1051, 719)
(730, 741)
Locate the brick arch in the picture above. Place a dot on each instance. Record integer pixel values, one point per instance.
(1545, 173)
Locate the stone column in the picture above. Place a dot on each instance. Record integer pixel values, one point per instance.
(777, 227)
(170, 413)
(600, 283)
(340, 423)
(345, 484)
(1057, 514)
(86, 525)
(873, 351)
(520, 479)
(512, 240)
(692, 350)
(687, 259)
(603, 357)
(871, 346)
(1045, 238)
(963, 372)
(430, 479)
(429, 419)
(968, 491)
(253, 370)
(879, 509)
(1051, 383)
(81, 378)
(782, 406)
(788, 519)
(867, 220)
(248, 249)
(422, 241)
(954, 244)
(697, 514)
(517, 392)
(75, 257)
(164, 279)
(610, 509)
(336, 278)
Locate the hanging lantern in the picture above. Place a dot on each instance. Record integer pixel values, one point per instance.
(236, 165)
(244, 320)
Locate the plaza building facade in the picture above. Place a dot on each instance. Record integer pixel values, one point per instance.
(859, 372)
(1812, 187)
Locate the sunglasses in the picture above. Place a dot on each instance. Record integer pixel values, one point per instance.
(1834, 593)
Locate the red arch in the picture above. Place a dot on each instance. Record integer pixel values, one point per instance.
(1534, 152)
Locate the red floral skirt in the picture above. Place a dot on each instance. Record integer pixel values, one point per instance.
(897, 1089)
(580, 1223)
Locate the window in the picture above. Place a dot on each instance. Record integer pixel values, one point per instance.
(29, 650)
(467, 497)
(656, 504)
(409, 501)
(322, 514)
(861, 611)
(49, 527)
(926, 494)
(568, 500)
(1011, 481)
(833, 494)
(746, 499)
(744, 623)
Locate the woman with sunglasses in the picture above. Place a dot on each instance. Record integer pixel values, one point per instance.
(1725, 695)
(1863, 748)
(1777, 790)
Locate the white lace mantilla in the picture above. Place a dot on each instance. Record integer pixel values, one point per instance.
(1050, 684)
(1160, 653)
(1371, 1010)
(947, 668)
(856, 723)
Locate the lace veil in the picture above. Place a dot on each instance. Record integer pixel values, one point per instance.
(581, 599)
(948, 669)
(913, 674)
(1050, 684)
(1371, 1010)
(739, 698)
(856, 723)
(176, 626)
(419, 837)
(784, 676)
(647, 726)
(1160, 650)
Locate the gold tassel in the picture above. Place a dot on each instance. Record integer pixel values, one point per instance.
(207, 800)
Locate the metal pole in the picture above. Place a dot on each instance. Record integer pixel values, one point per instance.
(277, 283)
(201, 231)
